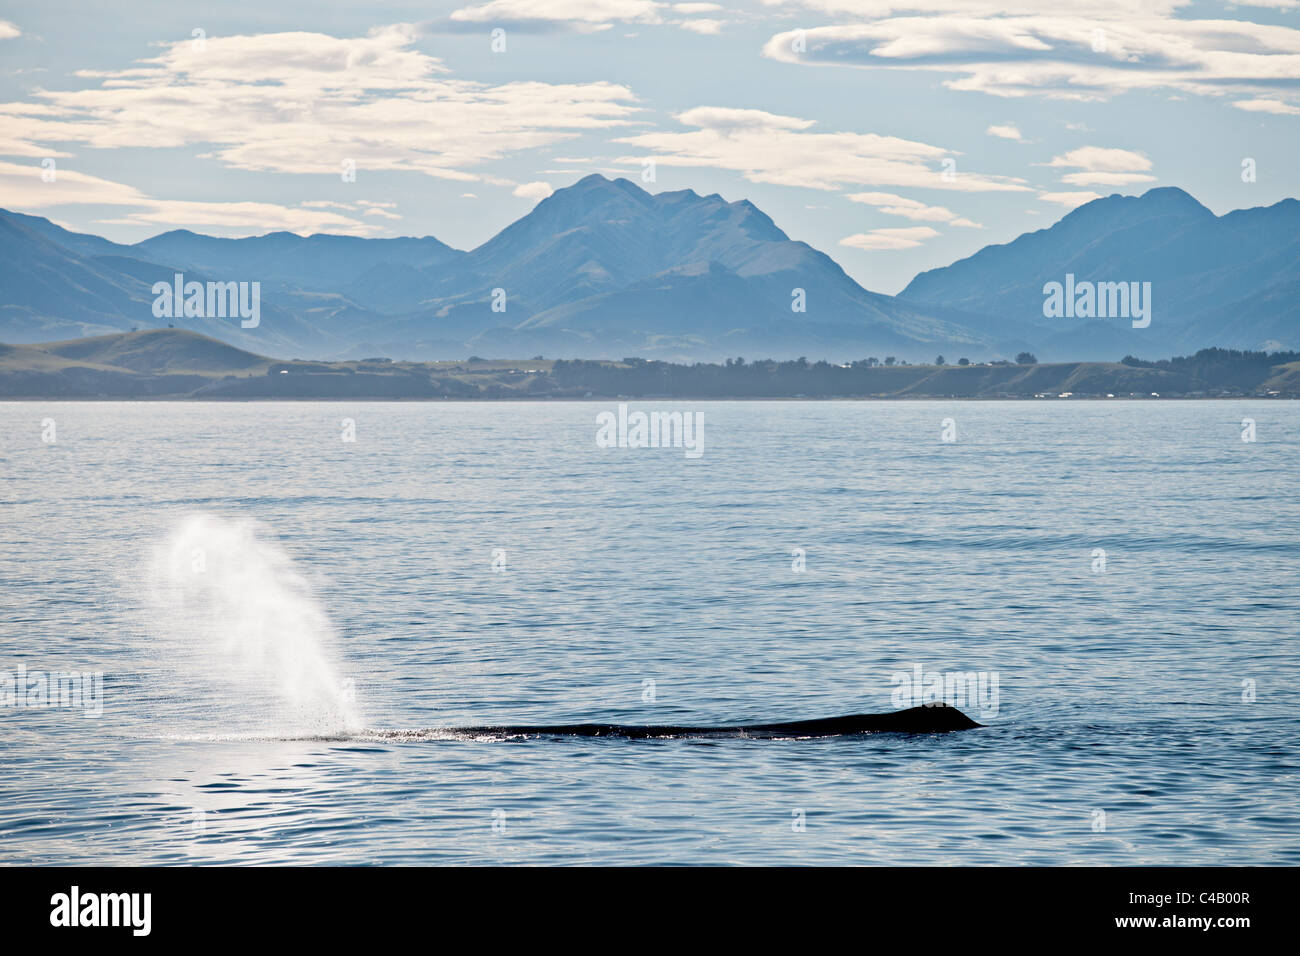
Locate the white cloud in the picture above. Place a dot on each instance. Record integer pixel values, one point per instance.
(1268, 106)
(771, 148)
(1103, 167)
(893, 205)
(8, 31)
(583, 15)
(242, 218)
(26, 130)
(703, 25)
(1105, 179)
(21, 188)
(727, 120)
(535, 191)
(876, 9)
(1030, 48)
(1005, 131)
(305, 102)
(1069, 199)
(906, 238)
(366, 207)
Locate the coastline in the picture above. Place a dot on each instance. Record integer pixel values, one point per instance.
(179, 365)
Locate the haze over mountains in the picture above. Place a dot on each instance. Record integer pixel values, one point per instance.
(604, 269)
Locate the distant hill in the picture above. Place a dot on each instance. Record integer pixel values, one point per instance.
(604, 269)
(159, 351)
(50, 290)
(178, 364)
(316, 263)
(1226, 281)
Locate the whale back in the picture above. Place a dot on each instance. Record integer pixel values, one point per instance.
(927, 719)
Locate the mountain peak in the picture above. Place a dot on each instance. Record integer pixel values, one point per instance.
(1107, 212)
(1170, 192)
(597, 181)
(571, 206)
(1173, 198)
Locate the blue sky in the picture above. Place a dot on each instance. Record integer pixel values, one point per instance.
(896, 137)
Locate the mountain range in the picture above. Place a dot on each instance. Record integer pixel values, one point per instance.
(604, 269)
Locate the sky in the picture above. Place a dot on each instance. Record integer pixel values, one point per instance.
(893, 136)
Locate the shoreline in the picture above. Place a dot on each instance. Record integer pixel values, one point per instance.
(179, 365)
(604, 400)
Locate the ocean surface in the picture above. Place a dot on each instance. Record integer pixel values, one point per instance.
(285, 622)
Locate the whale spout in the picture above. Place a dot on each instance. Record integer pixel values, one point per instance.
(927, 719)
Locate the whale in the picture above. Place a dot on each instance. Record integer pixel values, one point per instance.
(927, 719)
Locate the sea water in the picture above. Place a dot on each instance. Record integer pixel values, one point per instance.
(286, 603)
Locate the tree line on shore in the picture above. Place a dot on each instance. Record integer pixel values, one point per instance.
(1207, 369)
